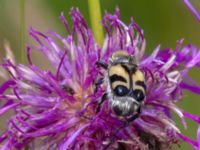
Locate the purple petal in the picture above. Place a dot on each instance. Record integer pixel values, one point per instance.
(192, 9)
(192, 117)
(192, 88)
(70, 140)
(8, 107)
(192, 142)
(6, 85)
(198, 138)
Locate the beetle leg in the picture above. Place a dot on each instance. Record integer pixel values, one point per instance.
(102, 64)
(103, 98)
(134, 116)
(97, 83)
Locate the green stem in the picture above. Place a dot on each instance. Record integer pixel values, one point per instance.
(22, 31)
(95, 17)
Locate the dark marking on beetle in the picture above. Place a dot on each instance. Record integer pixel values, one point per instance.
(131, 69)
(141, 83)
(116, 77)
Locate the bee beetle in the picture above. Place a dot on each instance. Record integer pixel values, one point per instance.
(126, 87)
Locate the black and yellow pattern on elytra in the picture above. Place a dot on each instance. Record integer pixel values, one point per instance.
(124, 72)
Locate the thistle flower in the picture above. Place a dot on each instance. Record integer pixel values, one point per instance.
(56, 109)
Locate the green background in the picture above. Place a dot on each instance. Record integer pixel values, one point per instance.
(164, 22)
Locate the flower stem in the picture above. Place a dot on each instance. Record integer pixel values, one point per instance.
(95, 17)
(22, 31)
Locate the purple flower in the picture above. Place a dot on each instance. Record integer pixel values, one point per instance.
(57, 109)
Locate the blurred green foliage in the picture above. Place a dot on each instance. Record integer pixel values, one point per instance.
(163, 21)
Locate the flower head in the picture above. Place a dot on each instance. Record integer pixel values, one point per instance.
(57, 109)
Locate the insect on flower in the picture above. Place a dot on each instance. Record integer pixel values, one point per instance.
(125, 85)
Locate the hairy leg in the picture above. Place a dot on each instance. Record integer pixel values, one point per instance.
(103, 98)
